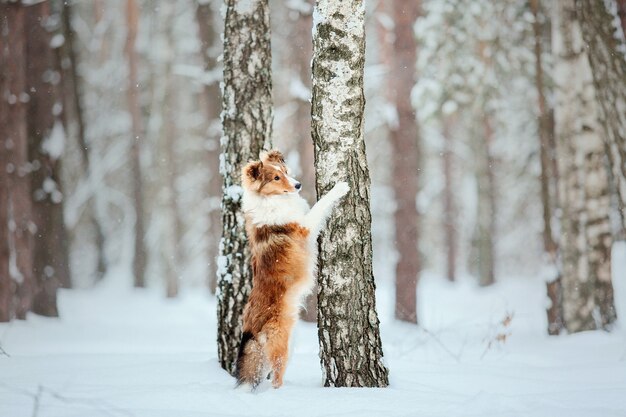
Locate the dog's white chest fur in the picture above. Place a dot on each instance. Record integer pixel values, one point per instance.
(274, 210)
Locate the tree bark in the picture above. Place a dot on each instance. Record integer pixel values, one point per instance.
(608, 63)
(46, 141)
(16, 249)
(208, 37)
(174, 254)
(348, 327)
(449, 207)
(405, 143)
(73, 105)
(247, 123)
(550, 247)
(584, 188)
(301, 64)
(485, 223)
(140, 258)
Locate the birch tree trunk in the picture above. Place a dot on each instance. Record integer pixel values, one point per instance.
(17, 229)
(606, 56)
(208, 38)
(584, 191)
(247, 123)
(405, 141)
(140, 258)
(350, 345)
(46, 141)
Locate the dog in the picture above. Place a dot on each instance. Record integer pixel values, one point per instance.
(282, 234)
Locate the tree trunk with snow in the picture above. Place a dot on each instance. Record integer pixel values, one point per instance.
(137, 128)
(584, 192)
(605, 39)
(73, 110)
(17, 228)
(247, 124)
(348, 327)
(46, 142)
(405, 141)
(211, 99)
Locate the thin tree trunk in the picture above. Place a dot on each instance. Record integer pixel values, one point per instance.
(208, 37)
(449, 206)
(169, 170)
(46, 141)
(16, 249)
(247, 123)
(584, 188)
(301, 63)
(71, 81)
(485, 223)
(405, 142)
(350, 345)
(139, 260)
(553, 285)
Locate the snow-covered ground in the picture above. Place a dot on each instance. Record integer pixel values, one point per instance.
(123, 352)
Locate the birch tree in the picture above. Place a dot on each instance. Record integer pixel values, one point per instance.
(247, 124)
(602, 32)
(350, 345)
(584, 188)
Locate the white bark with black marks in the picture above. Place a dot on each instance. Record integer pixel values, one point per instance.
(348, 327)
(247, 124)
(584, 188)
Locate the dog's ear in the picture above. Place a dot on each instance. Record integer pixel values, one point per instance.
(273, 157)
(253, 170)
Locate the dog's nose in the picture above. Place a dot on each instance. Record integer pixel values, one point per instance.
(298, 186)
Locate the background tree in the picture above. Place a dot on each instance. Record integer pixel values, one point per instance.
(608, 64)
(350, 345)
(405, 139)
(16, 239)
(46, 144)
(211, 99)
(73, 112)
(247, 124)
(584, 188)
(134, 108)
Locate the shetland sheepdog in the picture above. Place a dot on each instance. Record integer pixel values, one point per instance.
(282, 234)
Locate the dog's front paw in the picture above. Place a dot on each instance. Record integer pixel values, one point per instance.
(339, 190)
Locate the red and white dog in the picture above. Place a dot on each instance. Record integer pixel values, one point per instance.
(282, 233)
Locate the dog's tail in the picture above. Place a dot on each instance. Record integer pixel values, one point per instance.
(252, 365)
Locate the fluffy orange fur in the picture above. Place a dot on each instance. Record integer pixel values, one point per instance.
(280, 264)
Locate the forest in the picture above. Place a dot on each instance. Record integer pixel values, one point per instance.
(476, 266)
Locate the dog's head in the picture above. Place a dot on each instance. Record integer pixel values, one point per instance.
(269, 175)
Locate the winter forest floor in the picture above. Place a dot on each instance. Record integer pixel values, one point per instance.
(121, 352)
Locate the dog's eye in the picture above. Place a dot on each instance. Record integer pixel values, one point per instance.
(276, 178)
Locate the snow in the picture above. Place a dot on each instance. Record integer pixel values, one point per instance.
(123, 352)
(54, 144)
